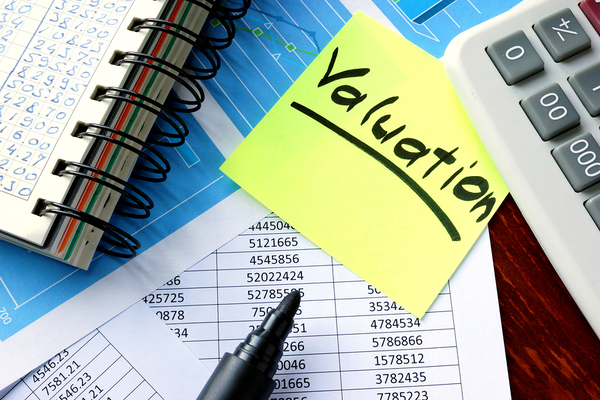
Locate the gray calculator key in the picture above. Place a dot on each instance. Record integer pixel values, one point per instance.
(586, 84)
(579, 160)
(593, 207)
(515, 58)
(562, 35)
(550, 111)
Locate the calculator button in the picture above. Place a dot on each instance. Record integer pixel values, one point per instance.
(593, 207)
(591, 9)
(515, 58)
(562, 35)
(550, 111)
(586, 84)
(579, 160)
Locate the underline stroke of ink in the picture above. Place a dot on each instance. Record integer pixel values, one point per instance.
(419, 191)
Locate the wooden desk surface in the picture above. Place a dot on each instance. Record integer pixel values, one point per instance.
(552, 352)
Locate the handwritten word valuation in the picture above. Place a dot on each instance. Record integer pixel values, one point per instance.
(469, 188)
(371, 156)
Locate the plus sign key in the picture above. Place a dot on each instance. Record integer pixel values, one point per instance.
(591, 9)
(562, 35)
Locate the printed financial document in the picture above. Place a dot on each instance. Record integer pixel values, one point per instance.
(133, 356)
(273, 45)
(349, 341)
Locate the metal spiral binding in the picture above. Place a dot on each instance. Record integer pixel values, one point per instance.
(135, 198)
(235, 13)
(151, 165)
(155, 168)
(112, 235)
(151, 105)
(194, 39)
(181, 76)
(225, 16)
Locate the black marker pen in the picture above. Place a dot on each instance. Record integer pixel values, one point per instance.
(247, 374)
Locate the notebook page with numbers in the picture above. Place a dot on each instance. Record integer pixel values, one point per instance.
(530, 81)
(82, 84)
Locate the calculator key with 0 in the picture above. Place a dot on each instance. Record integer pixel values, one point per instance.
(530, 82)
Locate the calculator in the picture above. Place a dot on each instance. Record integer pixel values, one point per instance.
(530, 81)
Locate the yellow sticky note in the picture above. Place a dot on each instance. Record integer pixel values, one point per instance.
(371, 156)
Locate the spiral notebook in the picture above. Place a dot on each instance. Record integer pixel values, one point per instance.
(83, 83)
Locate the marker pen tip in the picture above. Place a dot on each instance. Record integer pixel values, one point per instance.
(290, 303)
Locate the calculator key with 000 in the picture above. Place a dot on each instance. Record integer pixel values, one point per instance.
(530, 82)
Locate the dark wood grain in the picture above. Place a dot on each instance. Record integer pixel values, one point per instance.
(552, 352)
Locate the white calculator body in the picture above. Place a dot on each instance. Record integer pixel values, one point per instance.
(530, 82)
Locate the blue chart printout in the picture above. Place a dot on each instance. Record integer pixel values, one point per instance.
(274, 44)
(431, 30)
(420, 11)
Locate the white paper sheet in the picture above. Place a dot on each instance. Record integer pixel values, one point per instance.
(348, 340)
(133, 356)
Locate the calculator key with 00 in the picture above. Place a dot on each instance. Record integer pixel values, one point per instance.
(530, 82)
